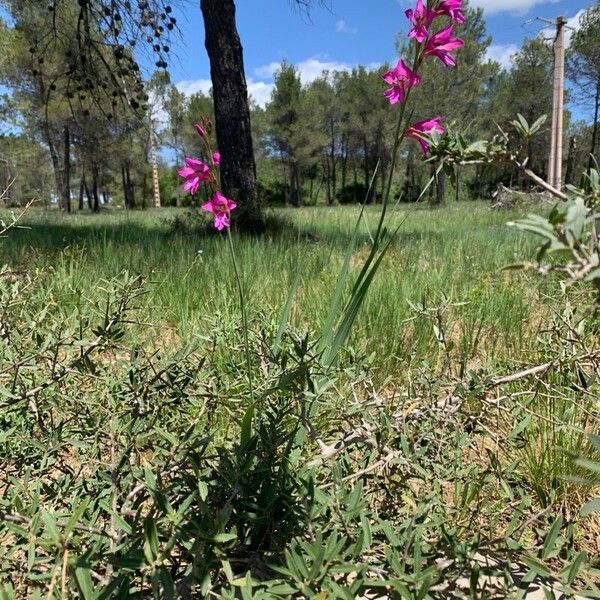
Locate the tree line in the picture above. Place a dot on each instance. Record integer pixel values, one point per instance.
(325, 141)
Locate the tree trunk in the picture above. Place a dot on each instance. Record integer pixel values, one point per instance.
(294, 185)
(457, 184)
(327, 179)
(344, 163)
(570, 171)
(88, 195)
(333, 164)
(369, 197)
(440, 189)
(65, 192)
(232, 111)
(81, 190)
(595, 128)
(95, 188)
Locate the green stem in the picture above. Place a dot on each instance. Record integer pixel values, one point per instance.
(244, 315)
(398, 138)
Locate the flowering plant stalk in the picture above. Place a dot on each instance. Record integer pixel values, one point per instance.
(402, 79)
(195, 173)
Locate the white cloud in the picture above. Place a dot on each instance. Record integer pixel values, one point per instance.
(260, 91)
(502, 53)
(267, 71)
(261, 85)
(193, 86)
(515, 6)
(342, 27)
(310, 69)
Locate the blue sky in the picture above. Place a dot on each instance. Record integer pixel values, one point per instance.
(343, 34)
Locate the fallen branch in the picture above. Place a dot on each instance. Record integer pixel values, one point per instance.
(538, 370)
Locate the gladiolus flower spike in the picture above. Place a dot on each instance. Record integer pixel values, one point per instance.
(421, 130)
(221, 207)
(195, 172)
(421, 18)
(401, 79)
(452, 9)
(442, 44)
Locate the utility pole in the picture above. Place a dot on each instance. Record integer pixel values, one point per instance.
(558, 104)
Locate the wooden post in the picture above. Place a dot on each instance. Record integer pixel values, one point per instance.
(154, 160)
(556, 145)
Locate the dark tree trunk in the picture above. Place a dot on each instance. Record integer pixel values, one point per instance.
(457, 184)
(327, 180)
(570, 172)
(369, 197)
(333, 163)
(65, 178)
(58, 165)
(88, 194)
(81, 191)
(344, 164)
(440, 189)
(591, 161)
(124, 186)
(95, 189)
(128, 186)
(294, 185)
(144, 191)
(232, 111)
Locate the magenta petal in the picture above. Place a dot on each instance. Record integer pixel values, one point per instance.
(389, 77)
(393, 95)
(195, 163)
(186, 172)
(191, 185)
(208, 207)
(221, 222)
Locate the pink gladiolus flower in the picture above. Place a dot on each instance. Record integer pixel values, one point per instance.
(221, 207)
(442, 44)
(194, 173)
(200, 130)
(419, 131)
(401, 79)
(452, 9)
(421, 18)
(216, 158)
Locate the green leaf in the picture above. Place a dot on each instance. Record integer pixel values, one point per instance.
(590, 507)
(246, 426)
(52, 528)
(285, 313)
(551, 537)
(151, 547)
(223, 538)
(84, 583)
(537, 567)
(573, 569)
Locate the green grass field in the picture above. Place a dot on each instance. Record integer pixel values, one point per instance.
(450, 258)
(146, 453)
